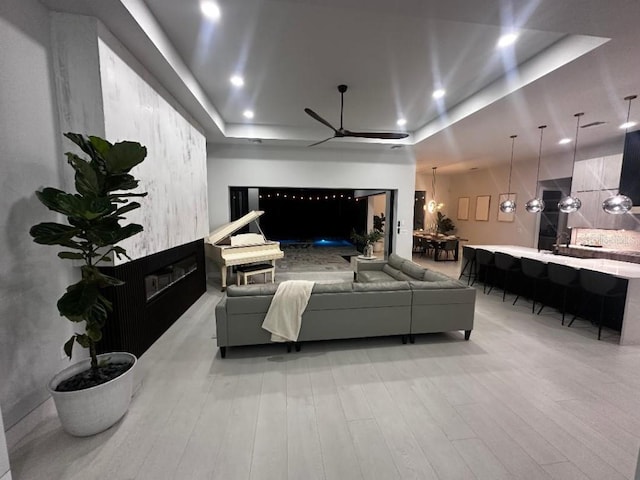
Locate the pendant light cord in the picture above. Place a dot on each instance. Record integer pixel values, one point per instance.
(575, 145)
(541, 127)
(433, 183)
(513, 141)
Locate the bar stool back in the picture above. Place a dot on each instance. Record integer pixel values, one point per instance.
(510, 268)
(603, 286)
(486, 265)
(536, 271)
(469, 257)
(567, 278)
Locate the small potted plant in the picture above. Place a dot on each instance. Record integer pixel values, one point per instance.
(444, 224)
(378, 225)
(366, 241)
(93, 394)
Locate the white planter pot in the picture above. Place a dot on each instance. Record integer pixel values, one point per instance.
(93, 410)
(378, 246)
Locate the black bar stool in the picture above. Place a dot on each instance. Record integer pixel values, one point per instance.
(469, 257)
(511, 270)
(567, 278)
(604, 287)
(536, 271)
(486, 266)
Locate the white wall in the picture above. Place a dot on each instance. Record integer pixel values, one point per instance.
(32, 278)
(312, 168)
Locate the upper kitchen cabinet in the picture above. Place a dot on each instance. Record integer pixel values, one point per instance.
(600, 173)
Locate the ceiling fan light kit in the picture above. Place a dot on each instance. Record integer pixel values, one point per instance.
(509, 206)
(619, 204)
(571, 204)
(343, 132)
(536, 204)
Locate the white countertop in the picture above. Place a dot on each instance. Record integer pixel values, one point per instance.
(626, 270)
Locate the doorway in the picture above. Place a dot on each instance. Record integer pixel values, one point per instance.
(553, 223)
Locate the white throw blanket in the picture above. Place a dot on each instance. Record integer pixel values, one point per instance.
(284, 317)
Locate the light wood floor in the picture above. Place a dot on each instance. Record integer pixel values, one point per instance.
(524, 398)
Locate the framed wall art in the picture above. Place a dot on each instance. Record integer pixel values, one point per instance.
(463, 208)
(482, 207)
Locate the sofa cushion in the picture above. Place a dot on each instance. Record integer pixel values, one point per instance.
(390, 285)
(336, 287)
(433, 276)
(389, 270)
(415, 271)
(437, 285)
(374, 276)
(251, 290)
(395, 261)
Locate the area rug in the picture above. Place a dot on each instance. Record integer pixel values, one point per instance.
(316, 258)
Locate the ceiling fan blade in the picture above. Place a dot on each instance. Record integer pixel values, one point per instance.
(317, 117)
(379, 135)
(321, 141)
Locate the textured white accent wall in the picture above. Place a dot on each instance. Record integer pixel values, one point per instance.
(174, 173)
(32, 278)
(309, 168)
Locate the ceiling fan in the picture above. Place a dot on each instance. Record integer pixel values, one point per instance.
(342, 132)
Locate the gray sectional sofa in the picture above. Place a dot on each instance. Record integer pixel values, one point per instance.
(395, 298)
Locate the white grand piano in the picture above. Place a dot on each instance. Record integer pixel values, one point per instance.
(227, 250)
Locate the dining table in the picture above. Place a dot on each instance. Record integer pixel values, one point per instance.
(438, 242)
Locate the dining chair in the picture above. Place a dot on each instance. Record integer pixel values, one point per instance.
(603, 287)
(537, 272)
(565, 277)
(469, 257)
(511, 270)
(449, 247)
(486, 268)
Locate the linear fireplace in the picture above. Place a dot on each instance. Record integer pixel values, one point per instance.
(157, 290)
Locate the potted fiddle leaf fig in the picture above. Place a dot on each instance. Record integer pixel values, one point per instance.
(93, 394)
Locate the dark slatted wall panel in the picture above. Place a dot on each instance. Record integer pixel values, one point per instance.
(135, 323)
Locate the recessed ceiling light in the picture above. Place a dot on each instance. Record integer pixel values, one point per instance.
(507, 39)
(564, 141)
(248, 114)
(401, 122)
(439, 93)
(210, 9)
(237, 81)
(626, 125)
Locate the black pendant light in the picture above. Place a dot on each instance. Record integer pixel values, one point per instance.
(571, 204)
(509, 206)
(618, 204)
(536, 204)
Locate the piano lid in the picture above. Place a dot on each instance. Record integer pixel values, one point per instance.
(229, 229)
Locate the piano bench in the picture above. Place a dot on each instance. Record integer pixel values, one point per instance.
(245, 271)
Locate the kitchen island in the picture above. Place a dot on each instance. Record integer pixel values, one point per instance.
(630, 332)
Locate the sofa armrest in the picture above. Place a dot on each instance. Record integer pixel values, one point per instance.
(221, 322)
